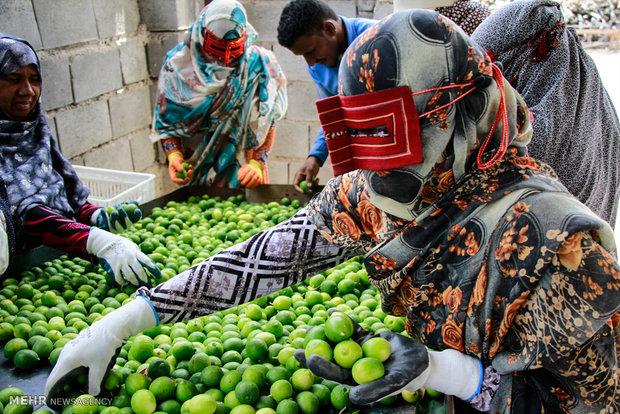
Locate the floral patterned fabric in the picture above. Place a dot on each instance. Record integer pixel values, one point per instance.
(219, 113)
(499, 262)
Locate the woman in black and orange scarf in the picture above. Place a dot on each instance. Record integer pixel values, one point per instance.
(491, 260)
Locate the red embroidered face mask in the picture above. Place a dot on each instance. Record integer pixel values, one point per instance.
(223, 50)
(373, 131)
(381, 130)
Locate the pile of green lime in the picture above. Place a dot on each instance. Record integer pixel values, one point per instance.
(235, 361)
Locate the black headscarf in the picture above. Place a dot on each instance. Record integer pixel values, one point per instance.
(576, 128)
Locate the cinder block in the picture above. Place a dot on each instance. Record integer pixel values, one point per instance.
(143, 151)
(115, 155)
(95, 73)
(163, 183)
(17, 18)
(83, 128)
(116, 17)
(366, 7)
(65, 22)
(346, 8)
(130, 111)
(291, 140)
(157, 48)
(382, 9)
(294, 67)
(51, 123)
(264, 16)
(57, 90)
(167, 15)
(278, 172)
(292, 169)
(153, 95)
(301, 99)
(133, 61)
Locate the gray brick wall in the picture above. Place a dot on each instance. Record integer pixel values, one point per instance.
(100, 61)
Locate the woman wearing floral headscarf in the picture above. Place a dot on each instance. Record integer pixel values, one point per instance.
(217, 99)
(46, 200)
(496, 267)
(575, 127)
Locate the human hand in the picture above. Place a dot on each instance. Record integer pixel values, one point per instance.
(179, 171)
(121, 258)
(410, 367)
(118, 218)
(250, 175)
(307, 172)
(95, 348)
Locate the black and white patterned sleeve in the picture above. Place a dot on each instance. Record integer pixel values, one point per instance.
(268, 261)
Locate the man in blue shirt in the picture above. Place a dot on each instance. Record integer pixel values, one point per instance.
(310, 28)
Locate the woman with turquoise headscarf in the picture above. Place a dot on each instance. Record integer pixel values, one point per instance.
(217, 99)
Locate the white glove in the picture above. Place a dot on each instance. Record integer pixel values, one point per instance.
(121, 258)
(452, 373)
(95, 348)
(4, 245)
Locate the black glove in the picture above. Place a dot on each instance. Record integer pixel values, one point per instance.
(406, 368)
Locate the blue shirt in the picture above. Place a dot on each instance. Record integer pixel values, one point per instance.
(326, 78)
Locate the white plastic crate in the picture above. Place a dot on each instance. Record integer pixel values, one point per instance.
(110, 187)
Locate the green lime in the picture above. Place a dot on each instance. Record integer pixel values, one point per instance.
(229, 381)
(281, 389)
(340, 397)
(13, 346)
(322, 392)
(143, 402)
(182, 350)
(319, 347)
(243, 409)
(135, 382)
(211, 376)
(247, 392)
(185, 390)
(162, 388)
(302, 379)
(287, 406)
(231, 400)
(112, 381)
(256, 349)
(43, 347)
(158, 367)
(277, 373)
(7, 393)
(142, 348)
(170, 407)
(199, 404)
(26, 359)
(367, 370)
(377, 347)
(255, 374)
(338, 327)
(347, 352)
(198, 362)
(85, 404)
(308, 402)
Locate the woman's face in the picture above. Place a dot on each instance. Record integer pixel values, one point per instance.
(19, 92)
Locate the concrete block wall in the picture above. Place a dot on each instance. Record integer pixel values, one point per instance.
(100, 61)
